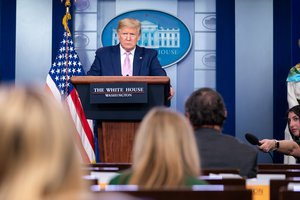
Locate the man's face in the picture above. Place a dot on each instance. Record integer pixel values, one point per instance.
(294, 123)
(128, 38)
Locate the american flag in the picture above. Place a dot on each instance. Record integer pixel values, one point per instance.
(66, 65)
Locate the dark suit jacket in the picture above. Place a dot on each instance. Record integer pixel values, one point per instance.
(218, 150)
(108, 62)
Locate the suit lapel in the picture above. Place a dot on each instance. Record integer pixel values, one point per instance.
(137, 61)
(116, 60)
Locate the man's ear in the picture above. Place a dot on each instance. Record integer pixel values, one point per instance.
(225, 113)
(187, 115)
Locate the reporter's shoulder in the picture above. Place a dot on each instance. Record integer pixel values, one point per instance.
(241, 143)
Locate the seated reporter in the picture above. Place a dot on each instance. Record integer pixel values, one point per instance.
(206, 111)
(164, 153)
(288, 147)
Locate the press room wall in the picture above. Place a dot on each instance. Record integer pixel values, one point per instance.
(253, 43)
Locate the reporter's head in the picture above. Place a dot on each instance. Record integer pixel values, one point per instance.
(165, 150)
(205, 106)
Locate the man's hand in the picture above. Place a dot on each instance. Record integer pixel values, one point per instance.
(171, 93)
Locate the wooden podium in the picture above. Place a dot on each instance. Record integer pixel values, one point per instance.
(119, 113)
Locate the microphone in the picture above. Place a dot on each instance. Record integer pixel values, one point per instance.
(252, 139)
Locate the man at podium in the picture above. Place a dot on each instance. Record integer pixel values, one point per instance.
(126, 58)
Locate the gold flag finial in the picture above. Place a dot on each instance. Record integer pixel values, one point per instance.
(67, 16)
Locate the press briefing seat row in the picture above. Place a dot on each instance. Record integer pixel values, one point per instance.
(286, 172)
(278, 166)
(229, 193)
(109, 167)
(208, 171)
(276, 185)
(285, 194)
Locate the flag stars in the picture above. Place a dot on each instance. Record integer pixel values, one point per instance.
(66, 65)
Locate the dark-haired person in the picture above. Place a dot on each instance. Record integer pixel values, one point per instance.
(288, 147)
(206, 111)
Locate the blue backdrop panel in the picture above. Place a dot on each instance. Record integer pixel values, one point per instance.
(7, 39)
(225, 62)
(282, 63)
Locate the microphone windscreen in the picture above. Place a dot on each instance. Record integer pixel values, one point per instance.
(252, 139)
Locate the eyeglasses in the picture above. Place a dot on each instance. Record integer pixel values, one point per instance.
(128, 35)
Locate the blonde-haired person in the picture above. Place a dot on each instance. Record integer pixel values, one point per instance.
(164, 153)
(38, 159)
(127, 58)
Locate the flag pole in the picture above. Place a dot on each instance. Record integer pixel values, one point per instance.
(67, 16)
(65, 20)
(66, 65)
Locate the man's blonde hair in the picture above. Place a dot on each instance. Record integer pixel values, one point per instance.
(165, 150)
(129, 23)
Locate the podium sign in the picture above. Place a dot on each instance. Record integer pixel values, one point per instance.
(103, 93)
(157, 95)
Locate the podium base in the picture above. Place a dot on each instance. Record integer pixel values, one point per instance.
(115, 141)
